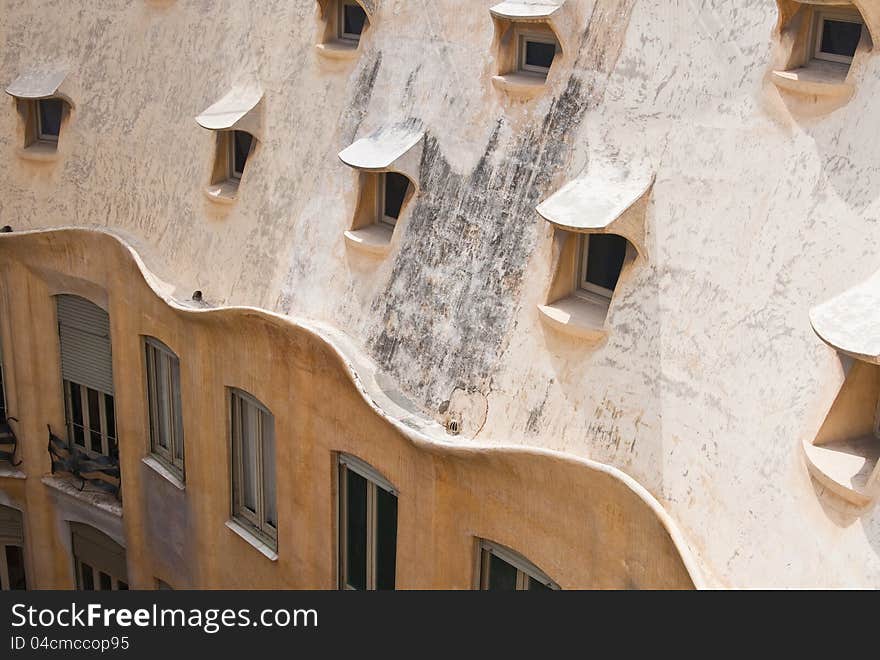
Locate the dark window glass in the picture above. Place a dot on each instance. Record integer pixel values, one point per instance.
(502, 576)
(540, 54)
(396, 186)
(386, 538)
(15, 568)
(2, 399)
(88, 578)
(76, 415)
(534, 585)
(110, 413)
(106, 581)
(95, 420)
(605, 259)
(241, 149)
(840, 37)
(356, 530)
(50, 118)
(122, 586)
(353, 19)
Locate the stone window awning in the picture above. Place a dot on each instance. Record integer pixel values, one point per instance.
(850, 322)
(38, 84)
(608, 202)
(396, 148)
(526, 10)
(238, 110)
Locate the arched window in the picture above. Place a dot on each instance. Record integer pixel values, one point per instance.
(98, 559)
(502, 569)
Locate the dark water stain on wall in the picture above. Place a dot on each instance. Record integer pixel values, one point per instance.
(453, 294)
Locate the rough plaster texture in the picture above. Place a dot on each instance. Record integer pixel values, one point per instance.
(711, 377)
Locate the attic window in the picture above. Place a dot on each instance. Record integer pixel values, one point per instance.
(345, 22)
(352, 19)
(49, 112)
(392, 194)
(823, 43)
(240, 145)
(43, 107)
(388, 161)
(837, 35)
(536, 53)
(600, 259)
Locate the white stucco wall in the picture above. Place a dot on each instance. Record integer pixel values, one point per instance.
(711, 376)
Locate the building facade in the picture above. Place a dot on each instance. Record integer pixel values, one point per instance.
(374, 294)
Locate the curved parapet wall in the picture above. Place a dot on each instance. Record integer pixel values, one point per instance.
(587, 525)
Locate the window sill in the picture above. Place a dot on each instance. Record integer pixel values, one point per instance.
(520, 84)
(252, 539)
(164, 471)
(225, 192)
(7, 471)
(577, 317)
(373, 239)
(70, 486)
(338, 49)
(41, 152)
(847, 468)
(816, 79)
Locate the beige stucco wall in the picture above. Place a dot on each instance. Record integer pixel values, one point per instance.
(711, 377)
(585, 526)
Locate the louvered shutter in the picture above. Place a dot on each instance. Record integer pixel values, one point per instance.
(11, 529)
(84, 329)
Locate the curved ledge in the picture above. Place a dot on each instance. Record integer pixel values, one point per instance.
(225, 192)
(520, 85)
(577, 317)
(846, 468)
(389, 405)
(850, 322)
(39, 152)
(99, 500)
(380, 150)
(529, 10)
(338, 50)
(237, 109)
(37, 84)
(373, 239)
(814, 80)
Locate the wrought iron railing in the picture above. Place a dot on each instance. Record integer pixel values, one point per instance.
(8, 442)
(101, 472)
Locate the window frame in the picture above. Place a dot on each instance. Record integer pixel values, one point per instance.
(173, 457)
(525, 570)
(255, 522)
(381, 192)
(115, 580)
(340, 17)
(232, 173)
(47, 137)
(839, 15)
(583, 287)
(525, 36)
(86, 417)
(375, 480)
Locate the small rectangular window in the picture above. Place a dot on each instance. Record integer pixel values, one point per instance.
(601, 258)
(91, 419)
(837, 36)
(352, 20)
(240, 144)
(392, 194)
(49, 112)
(253, 467)
(367, 527)
(536, 54)
(164, 405)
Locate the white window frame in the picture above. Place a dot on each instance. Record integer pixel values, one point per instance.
(255, 521)
(523, 38)
(839, 15)
(234, 174)
(87, 429)
(172, 456)
(583, 287)
(375, 480)
(46, 137)
(525, 570)
(341, 33)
